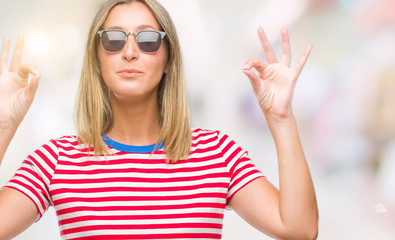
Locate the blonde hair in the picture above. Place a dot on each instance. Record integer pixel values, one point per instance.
(93, 113)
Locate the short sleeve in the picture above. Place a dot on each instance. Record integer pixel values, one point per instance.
(241, 168)
(34, 176)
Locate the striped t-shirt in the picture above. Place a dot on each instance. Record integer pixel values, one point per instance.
(133, 194)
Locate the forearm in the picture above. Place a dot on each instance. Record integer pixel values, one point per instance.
(6, 135)
(298, 206)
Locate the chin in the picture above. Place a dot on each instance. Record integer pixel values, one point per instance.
(133, 95)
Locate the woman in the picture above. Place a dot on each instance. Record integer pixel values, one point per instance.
(135, 169)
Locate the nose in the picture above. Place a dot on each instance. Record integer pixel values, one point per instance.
(131, 50)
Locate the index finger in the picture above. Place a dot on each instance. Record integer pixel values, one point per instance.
(267, 47)
(17, 56)
(4, 55)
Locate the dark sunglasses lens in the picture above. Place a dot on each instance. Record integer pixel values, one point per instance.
(149, 41)
(113, 41)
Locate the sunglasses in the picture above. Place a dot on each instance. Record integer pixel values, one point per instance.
(114, 40)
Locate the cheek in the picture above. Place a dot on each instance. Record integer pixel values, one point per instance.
(160, 69)
(105, 65)
(162, 62)
(155, 64)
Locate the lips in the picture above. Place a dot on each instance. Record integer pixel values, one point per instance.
(129, 73)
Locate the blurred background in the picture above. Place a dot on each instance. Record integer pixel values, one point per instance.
(344, 99)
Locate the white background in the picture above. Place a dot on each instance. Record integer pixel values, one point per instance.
(351, 157)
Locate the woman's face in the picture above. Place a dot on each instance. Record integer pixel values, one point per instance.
(125, 86)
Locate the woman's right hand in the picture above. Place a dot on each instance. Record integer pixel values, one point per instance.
(16, 93)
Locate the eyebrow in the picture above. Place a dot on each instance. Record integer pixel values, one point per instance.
(143, 26)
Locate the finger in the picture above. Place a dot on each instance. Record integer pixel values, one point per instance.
(32, 88)
(267, 47)
(287, 55)
(25, 69)
(17, 56)
(255, 63)
(254, 80)
(4, 55)
(302, 61)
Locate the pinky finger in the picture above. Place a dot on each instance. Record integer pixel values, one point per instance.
(302, 61)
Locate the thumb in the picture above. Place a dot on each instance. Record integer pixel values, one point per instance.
(254, 80)
(32, 87)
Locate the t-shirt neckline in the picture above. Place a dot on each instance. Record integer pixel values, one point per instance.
(130, 148)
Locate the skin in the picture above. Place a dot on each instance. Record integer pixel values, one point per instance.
(16, 96)
(133, 100)
(288, 213)
(16, 93)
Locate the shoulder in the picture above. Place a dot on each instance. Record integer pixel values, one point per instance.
(201, 134)
(72, 139)
(60, 143)
(206, 136)
(48, 154)
(65, 139)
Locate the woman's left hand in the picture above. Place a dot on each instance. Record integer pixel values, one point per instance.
(275, 84)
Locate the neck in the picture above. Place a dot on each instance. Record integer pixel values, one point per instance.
(135, 123)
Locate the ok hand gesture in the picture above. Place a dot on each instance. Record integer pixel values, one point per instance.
(275, 84)
(16, 93)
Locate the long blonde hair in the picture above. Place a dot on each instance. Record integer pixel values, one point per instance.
(93, 113)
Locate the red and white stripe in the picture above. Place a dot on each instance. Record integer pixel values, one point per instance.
(136, 195)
